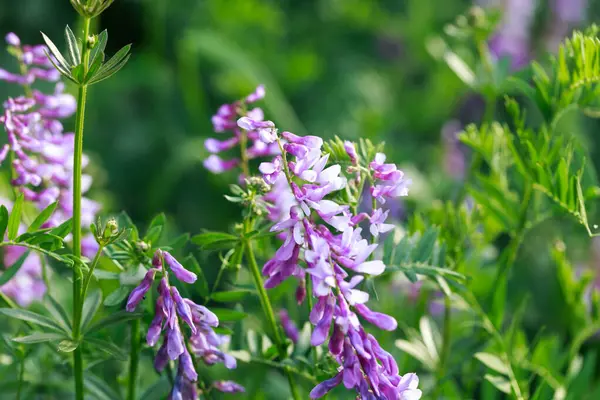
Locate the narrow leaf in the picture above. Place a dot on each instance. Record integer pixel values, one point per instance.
(116, 318)
(230, 296)
(58, 312)
(39, 337)
(3, 220)
(32, 317)
(56, 53)
(493, 362)
(42, 217)
(107, 347)
(229, 315)
(13, 269)
(73, 48)
(90, 308)
(97, 52)
(15, 218)
(117, 297)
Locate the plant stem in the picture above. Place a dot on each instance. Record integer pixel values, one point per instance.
(243, 154)
(134, 355)
(509, 256)
(446, 338)
(21, 374)
(88, 277)
(77, 273)
(268, 310)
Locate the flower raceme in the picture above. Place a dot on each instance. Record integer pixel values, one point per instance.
(244, 124)
(41, 156)
(42, 161)
(171, 312)
(325, 236)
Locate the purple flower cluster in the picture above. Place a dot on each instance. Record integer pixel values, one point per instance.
(171, 310)
(42, 154)
(237, 119)
(513, 37)
(324, 235)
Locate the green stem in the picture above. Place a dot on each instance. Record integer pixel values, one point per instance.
(134, 355)
(309, 298)
(270, 315)
(77, 167)
(88, 277)
(243, 154)
(21, 375)
(508, 257)
(446, 338)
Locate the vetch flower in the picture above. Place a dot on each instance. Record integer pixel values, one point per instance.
(321, 233)
(42, 160)
(172, 313)
(241, 121)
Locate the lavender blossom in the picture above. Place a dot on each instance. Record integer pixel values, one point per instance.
(513, 38)
(237, 119)
(228, 387)
(42, 160)
(172, 313)
(289, 327)
(337, 259)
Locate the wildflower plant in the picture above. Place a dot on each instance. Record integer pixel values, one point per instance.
(320, 246)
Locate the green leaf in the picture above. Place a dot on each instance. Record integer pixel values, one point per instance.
(3, 220)
(117, 297)
(179, 242)
(229, 315)
(90, 308)
(159, 390)
(424, 248)
(493, 362)
(39, 337)
(72, 46)
(42, 217)
(500, 383)
(58, 312)
(153, 235)
(63, 229)
(56, 53)
(116, 318)
(97, 52)
(215, 240)
(67, 346)
(13, 269)
(108, 347)
(113, 65)
(34, 318)
(230, 296)
(201, 283)
(98, 388)
(15, 218)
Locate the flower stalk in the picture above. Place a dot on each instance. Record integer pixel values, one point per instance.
(268, 310)
(77, 172)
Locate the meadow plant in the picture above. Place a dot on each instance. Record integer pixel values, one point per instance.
(318, 239)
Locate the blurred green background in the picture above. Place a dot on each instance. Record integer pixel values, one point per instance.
(353, 68)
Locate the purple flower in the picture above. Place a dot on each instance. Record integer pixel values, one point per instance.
(289, 327)
(241, 121)
(228, 387)
(42, 154)
(351, 151)
(140, 291)
(178, 270)
(171, 309)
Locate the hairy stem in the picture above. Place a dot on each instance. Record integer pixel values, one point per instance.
(269, 314)
(134, 356)
(77, 273)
